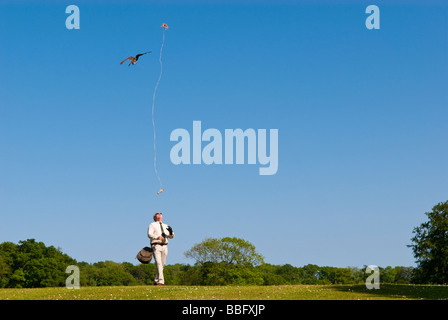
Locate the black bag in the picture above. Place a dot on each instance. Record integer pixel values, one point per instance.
(145, 255)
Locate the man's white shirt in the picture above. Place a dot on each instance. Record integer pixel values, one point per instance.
(154, 231)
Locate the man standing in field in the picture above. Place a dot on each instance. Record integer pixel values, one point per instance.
(159, 233)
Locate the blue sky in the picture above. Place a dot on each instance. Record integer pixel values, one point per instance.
(361, 116)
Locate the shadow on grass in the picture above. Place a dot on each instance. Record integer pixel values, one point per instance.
(395, 291)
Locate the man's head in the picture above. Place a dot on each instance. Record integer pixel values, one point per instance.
(158, 217)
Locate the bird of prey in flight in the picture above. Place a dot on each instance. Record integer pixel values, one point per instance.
(133, 60)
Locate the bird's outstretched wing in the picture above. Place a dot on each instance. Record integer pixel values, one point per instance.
(130, 58)
(140, 54)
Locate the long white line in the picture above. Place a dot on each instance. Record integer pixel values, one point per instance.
(153, 102)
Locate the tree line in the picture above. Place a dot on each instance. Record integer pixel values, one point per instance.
(32, 264)
(225, 261)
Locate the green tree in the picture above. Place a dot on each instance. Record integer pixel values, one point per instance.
(403, 275)
(310, 274)
(228, 250)
(192, 276)
(109, 273)
(226, 261)
(388, 274)
(430, 247)
(31, 264)
(272, 276)
(356, 275)
(288, 272)
(173, 273)
(5, 272)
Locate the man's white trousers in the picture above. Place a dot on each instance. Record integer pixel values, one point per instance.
(160, 253)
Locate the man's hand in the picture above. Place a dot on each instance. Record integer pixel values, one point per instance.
(160, 238)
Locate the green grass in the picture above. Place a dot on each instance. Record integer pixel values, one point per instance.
(286, 292)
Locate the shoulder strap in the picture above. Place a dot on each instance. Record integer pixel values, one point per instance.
(161, 229)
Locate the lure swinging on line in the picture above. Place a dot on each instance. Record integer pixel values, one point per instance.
(165, 27)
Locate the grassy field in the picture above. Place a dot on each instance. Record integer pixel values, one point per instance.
(287, 292)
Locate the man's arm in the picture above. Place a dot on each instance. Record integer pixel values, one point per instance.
(152, 232)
